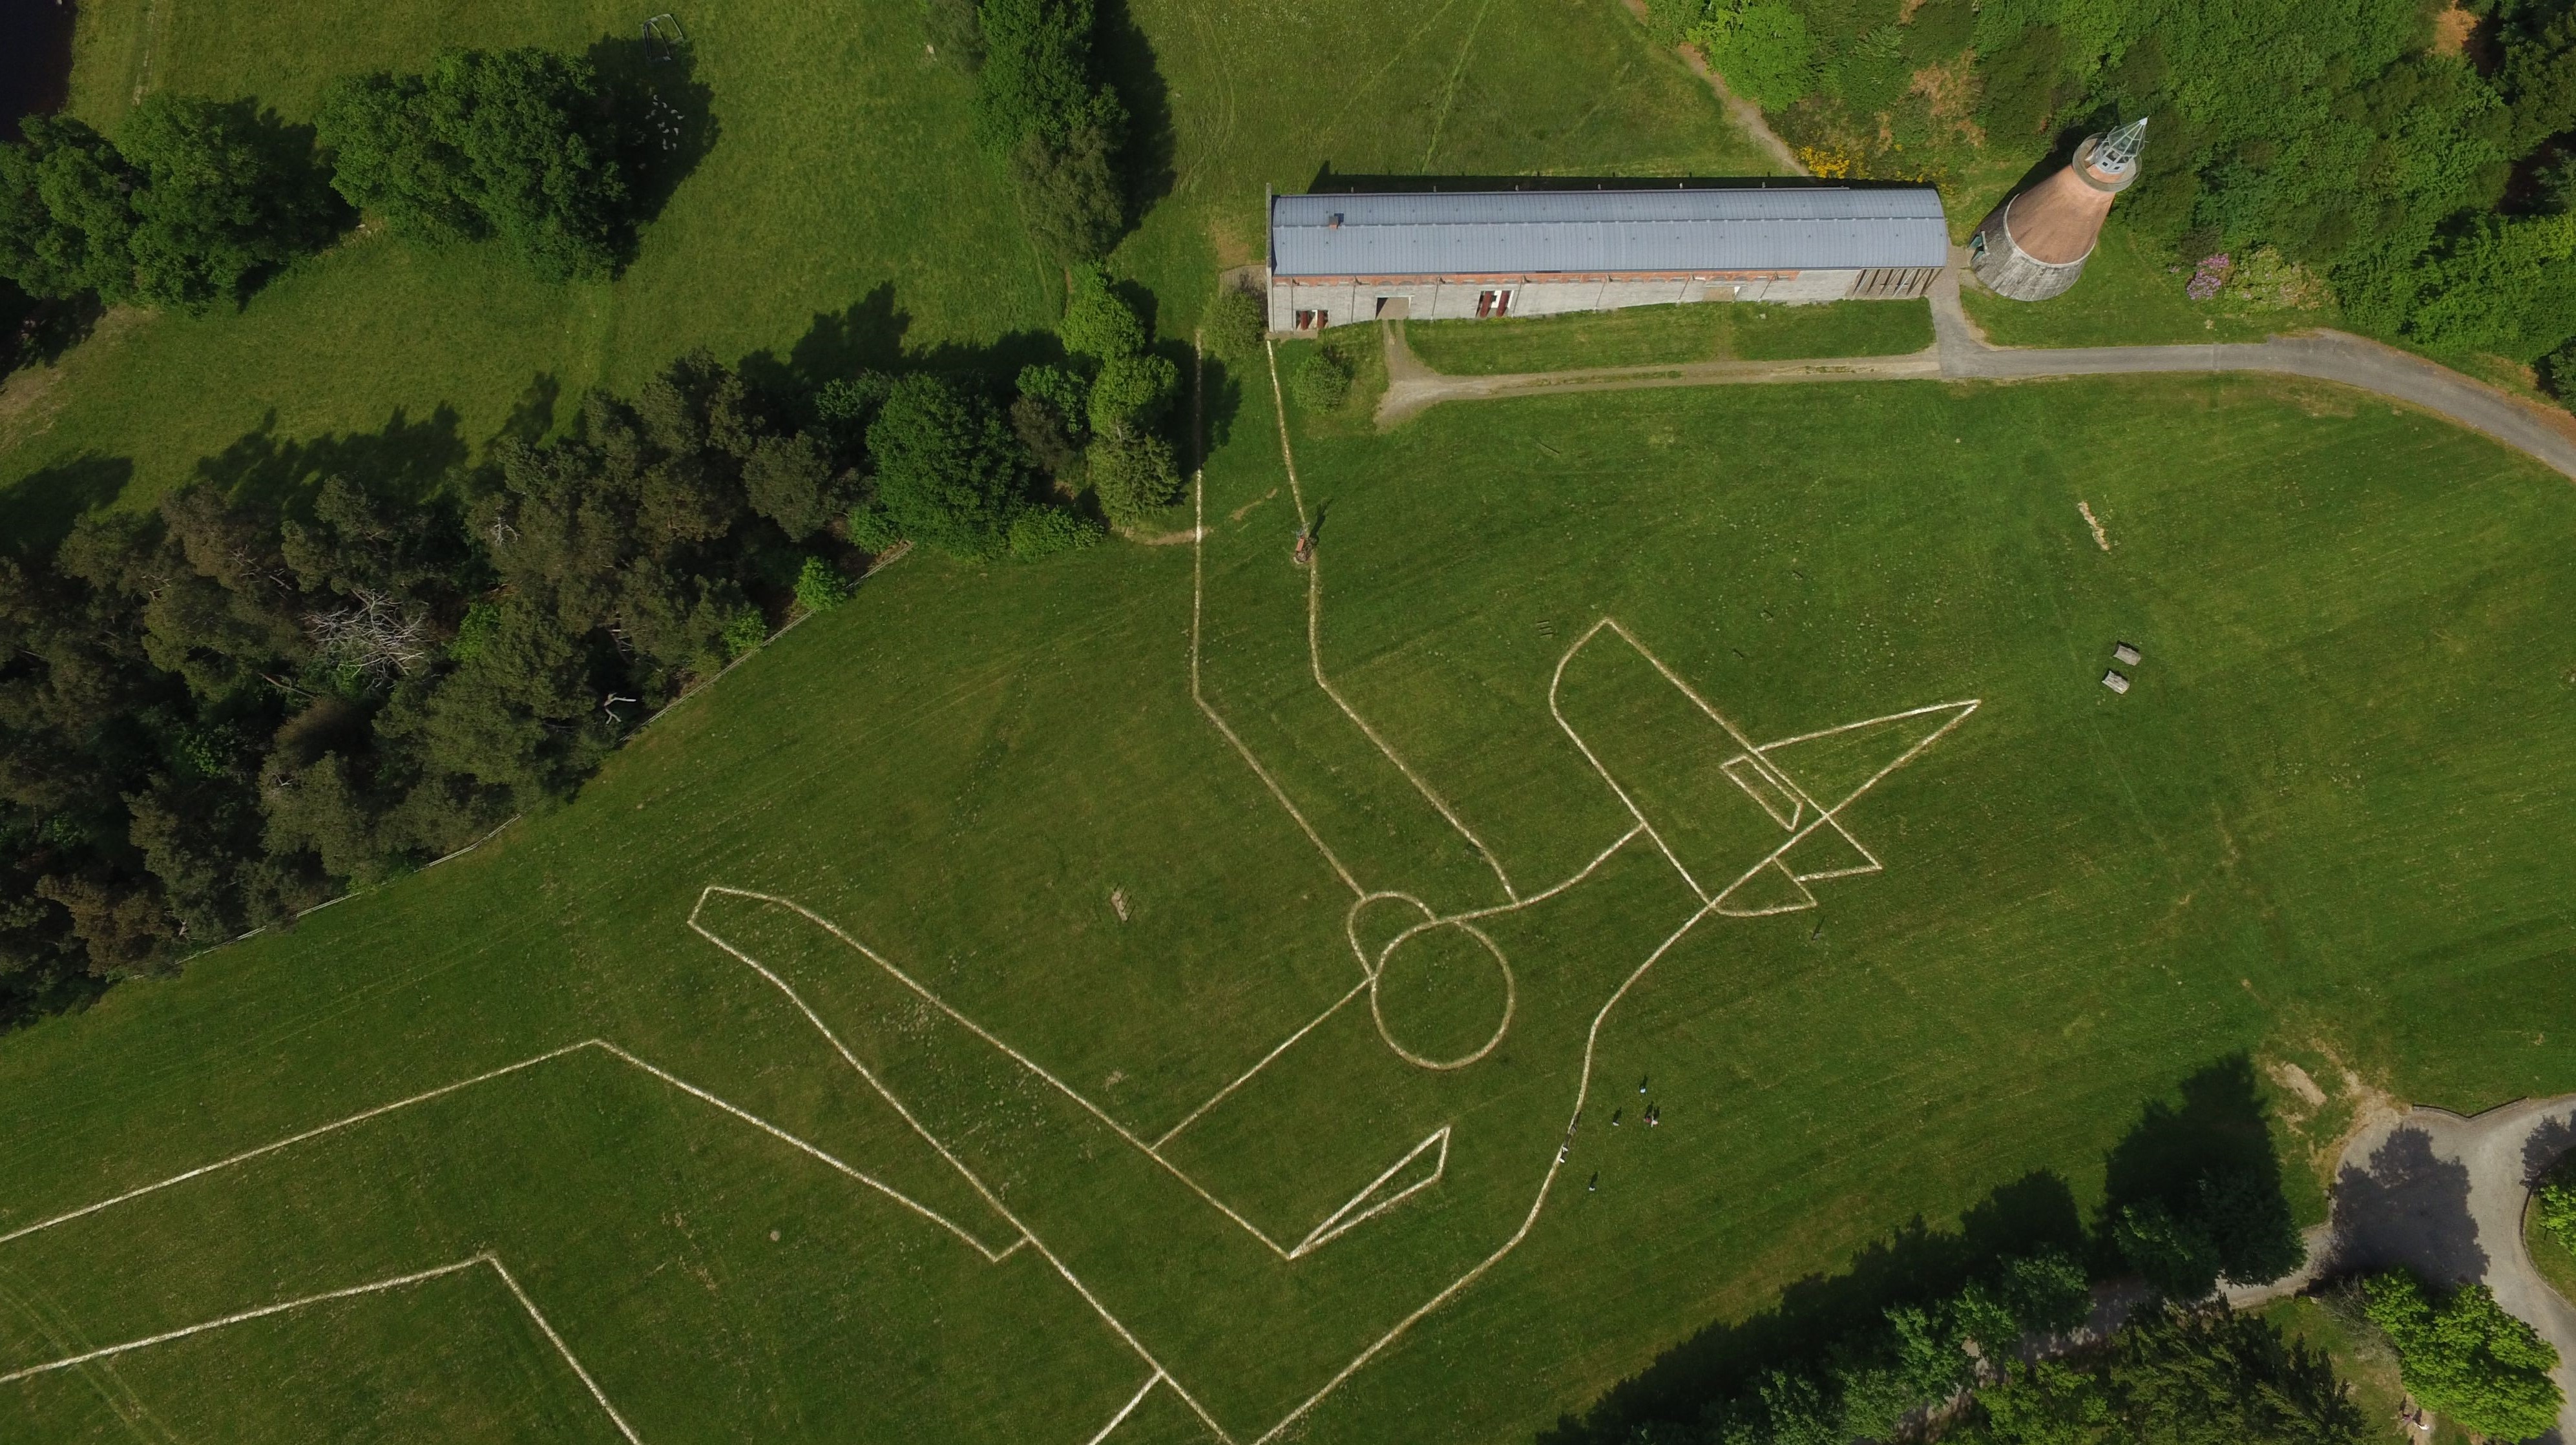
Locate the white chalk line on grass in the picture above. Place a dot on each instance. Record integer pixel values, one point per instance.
(2099, 538)
(1027, 1235)
(1198, 589)
(563, 1349)
(1336, 1224)
(242, 1317)
(354, 1291)
(427, 1095)
(1371, 965)
(978, 1030)
(1127, 1409)
(1709, 904)
(1547, 1182)
(1349, 1216)
(1757, 755)
(1241, 1079)
(113, 1390)
(1315, 644)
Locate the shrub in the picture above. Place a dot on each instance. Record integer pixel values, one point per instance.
(65, 212)
(1762, 48)
(820, 585)
(2558, 376)
(873, 528)
(948, 469)
(226, 193)
(1235, 323)
(2174, 1376)
(1132, 474)
(1670, 21)
(2555, 1201)
(1069, 194)
(846, 405)
(1098, 322)
(1067, 393)
(1323, 380)
(789, 480)
(482, 623)
(196, 199)
(1048, 439)
(2466, 1358)
(513, 144)
(747, 630)
(1044, 531)
(1131, 391)
(1039, 110)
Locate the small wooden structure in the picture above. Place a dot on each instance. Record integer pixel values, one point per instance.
(2114, 681)
(2127, 655)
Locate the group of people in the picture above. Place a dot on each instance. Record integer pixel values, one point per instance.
(1653, 1115)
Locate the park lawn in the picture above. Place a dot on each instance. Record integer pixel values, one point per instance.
(806, 232)
(843, 217)
(2128, 296)
(2334, 1326)
(2550, 1254)
(2320, 825)
(1651, 335)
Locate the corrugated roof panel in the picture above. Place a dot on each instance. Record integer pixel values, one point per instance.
(1537, 232)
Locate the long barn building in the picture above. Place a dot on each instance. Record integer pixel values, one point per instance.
(1340, 258)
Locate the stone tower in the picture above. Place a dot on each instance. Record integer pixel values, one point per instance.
(2033, 246)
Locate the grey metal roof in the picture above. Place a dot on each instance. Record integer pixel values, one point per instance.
(1447, 233)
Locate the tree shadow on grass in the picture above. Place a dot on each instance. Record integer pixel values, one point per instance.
(405, 458)
(1125, 59)
(2220, 1124)
(532, 416)
(865, 336)
(2216, 1133)
(1221, 403)
(869, 335)
(39, 509)
(665, 117)
(1915, 1263)
(36, 332)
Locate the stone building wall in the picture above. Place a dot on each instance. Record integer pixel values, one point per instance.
(1341, 301)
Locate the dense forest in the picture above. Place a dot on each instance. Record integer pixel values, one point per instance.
(314, 668)
(317, 667)
(2410, 155)
(307, 670)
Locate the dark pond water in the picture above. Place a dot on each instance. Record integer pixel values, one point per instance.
(35, 59)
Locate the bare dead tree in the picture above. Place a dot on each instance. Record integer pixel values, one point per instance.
(373, 636)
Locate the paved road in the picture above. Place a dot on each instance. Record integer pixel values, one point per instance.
(1959, 353)
(2445, 1195)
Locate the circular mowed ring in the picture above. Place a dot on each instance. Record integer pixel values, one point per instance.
(1435, 986)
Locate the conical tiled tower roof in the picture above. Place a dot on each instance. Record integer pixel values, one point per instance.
(2033, 246)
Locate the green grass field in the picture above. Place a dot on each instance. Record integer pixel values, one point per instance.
(843, 215)
(1646, 335)
(2321, 826)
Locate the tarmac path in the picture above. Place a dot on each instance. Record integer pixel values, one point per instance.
(2445, 1195)
(1960, 353)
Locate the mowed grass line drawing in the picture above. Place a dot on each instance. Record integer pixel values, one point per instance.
(1373, 1199)
(2036, 805)
(480, 1261)
(1350, 1215)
